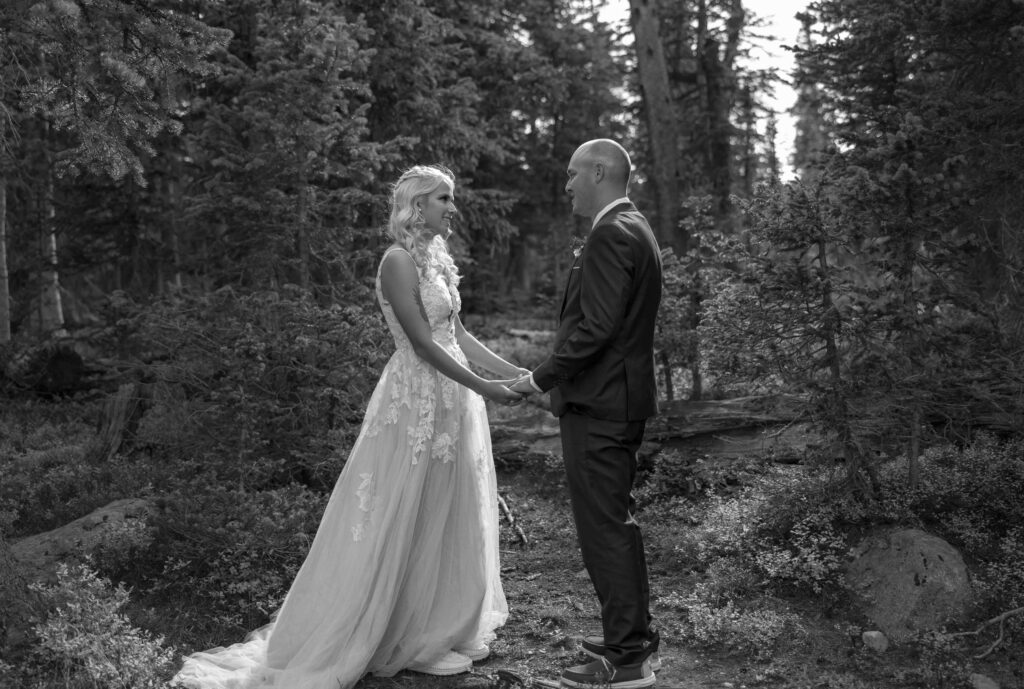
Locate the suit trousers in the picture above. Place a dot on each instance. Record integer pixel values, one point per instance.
(600, 465)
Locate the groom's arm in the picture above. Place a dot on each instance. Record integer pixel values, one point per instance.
(607, 277)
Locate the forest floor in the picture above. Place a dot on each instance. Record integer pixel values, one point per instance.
(552, 605)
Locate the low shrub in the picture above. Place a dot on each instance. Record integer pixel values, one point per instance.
(88, 642)
(231, 555)
(260, 388)
(711, 620)
(675, 473)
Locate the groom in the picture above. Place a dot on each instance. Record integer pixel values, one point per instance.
(601, 378)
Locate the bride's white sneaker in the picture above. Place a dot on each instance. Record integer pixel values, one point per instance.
(476, 653)
(451, 663)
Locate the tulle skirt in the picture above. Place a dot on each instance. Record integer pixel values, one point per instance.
(404, 565)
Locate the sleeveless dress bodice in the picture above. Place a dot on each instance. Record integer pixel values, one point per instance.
(440, 301)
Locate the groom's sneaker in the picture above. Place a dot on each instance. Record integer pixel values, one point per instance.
(602, 673)
(451, 663)
(594, 647)
(475, 653)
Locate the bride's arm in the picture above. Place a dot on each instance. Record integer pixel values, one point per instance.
(479, 354)
(399, 282)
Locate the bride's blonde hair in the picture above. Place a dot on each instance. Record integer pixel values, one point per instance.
(407, 228)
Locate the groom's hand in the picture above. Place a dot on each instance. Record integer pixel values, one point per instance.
(523, 386)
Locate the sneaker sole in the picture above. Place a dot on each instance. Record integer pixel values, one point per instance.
(631, 684)
(441, 672)
(474, 654)
(655, 659)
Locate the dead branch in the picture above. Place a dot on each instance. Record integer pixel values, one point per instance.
(1001, 619)
(512, 521)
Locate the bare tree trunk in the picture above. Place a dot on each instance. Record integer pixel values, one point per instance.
(856, 472)
(661, 122)
(302, 231)
(718, 79)
(5, 288)
(175, 229)
(913, 464)
(749, 143)
(51, 310)
(666, 369)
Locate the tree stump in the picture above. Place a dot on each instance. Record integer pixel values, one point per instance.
(119, 419)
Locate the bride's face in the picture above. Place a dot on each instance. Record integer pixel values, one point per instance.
(438, 209)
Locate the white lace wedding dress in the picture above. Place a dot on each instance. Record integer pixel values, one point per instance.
(404, 565)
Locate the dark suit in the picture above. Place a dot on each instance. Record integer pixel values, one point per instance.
(601, 378)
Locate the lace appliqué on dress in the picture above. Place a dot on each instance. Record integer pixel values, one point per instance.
(366, 492)
(415, 385)
(443, 448)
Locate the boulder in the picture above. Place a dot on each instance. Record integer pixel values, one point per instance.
(908, 581)
(39, 555)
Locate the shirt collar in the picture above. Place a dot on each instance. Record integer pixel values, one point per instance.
(604, 211)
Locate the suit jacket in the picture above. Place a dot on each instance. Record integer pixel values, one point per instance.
(603, 360)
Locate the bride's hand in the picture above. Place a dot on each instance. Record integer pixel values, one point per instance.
(497, 391)
(521, 375)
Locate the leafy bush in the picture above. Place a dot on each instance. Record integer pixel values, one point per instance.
(798, 533)
(711, 620)
(674, 473)
(725, 529)
(46, 480)
(233, 554)
(261, 388)
(970, 497)
(813, 556)
(123, 550)
(88, 641)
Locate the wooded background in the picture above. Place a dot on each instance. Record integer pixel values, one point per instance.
(192, 189)
(192, 199)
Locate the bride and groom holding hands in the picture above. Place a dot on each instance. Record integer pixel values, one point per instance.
(403, 573)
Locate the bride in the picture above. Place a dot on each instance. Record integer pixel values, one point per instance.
(403, 572)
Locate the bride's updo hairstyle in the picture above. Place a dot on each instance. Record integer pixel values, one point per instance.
(407, 228)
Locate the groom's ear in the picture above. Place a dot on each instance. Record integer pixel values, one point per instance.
(599, 172)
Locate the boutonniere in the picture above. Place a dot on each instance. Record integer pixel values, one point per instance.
(576, 246)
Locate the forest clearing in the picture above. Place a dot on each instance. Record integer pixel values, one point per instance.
(193, 203)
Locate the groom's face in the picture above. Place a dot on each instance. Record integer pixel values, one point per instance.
(581, 186)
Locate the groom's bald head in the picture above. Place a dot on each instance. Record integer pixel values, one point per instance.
(612, 159)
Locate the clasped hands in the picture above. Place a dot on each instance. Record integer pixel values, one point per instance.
(515, 390)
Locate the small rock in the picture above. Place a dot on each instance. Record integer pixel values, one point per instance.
(978, 681)
(876, 641)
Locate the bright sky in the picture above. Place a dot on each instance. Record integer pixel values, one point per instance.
(780, 23)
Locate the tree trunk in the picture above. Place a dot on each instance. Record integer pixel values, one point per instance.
(913, 465)
(51, 310)
(750, 167)
(118, 422)
(174, 192)
(5, 293)
(839, 411)
(302, 232)
(718, 79)
(666, 368)
(661, 122)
